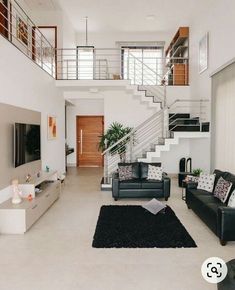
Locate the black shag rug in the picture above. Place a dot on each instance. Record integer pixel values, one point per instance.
(134, 227)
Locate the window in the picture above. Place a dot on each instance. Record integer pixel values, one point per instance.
(85, 62)
(142, 65)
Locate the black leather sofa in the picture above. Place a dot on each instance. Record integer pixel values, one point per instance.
(216, 215)
(139, 186)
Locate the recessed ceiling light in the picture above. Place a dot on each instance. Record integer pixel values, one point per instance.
(151, 17)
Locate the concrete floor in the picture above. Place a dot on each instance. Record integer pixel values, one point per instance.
(56, 253)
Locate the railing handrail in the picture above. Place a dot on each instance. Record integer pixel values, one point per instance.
(120, 49)
(132, 131)
(188, 100)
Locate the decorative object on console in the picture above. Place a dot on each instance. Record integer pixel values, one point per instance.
(52, 127)
(16, 198)
(203, 53)
(222, 189)
(206, 182)
(125, 172)
(154, 206)
(231, 202)
(154, 172)
(47, 169)
(28, 178)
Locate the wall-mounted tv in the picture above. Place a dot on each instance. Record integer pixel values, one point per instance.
(27, 143)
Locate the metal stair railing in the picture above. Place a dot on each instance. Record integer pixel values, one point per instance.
(151, 132)
(132, 146)
(148, 79)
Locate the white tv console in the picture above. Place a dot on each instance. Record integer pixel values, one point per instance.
(18, 218)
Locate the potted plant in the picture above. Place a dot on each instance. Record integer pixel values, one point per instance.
(197, 171)
(115, 132)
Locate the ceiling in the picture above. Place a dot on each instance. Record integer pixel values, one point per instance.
(127, 15)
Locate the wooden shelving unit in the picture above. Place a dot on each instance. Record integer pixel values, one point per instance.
(178, 68)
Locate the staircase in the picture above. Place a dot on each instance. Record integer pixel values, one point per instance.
(158, 134)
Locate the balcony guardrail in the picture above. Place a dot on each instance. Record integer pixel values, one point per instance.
(112, 64)
(84, 63)
(18, 28)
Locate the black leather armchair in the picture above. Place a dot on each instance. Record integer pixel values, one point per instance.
(217, 216)
(141, 187)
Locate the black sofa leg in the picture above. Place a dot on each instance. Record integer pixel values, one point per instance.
(115, 198)
(166, 198)
(188, 206)
(223, 243)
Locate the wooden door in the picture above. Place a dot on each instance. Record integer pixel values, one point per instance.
(89, 130)
(4, 18)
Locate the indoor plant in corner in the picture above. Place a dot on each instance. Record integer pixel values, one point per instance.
(115, 132)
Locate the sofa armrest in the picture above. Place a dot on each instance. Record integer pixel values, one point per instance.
(115, 185)
(226, 223)
(191, 185)
(166, 186)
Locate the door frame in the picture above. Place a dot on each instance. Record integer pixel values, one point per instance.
(77, 146)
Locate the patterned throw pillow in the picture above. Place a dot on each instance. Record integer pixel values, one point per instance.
(155, 172)
(231, 202)
(222, 189)
(206, 182)
(125, 172)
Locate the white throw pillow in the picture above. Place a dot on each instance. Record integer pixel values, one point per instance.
(154, 172)
(206, 182)
(231, 202)
(154, 206)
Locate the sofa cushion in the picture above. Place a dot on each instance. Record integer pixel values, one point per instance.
(157, 184)
(144, 168)
(206, 182)
(154, 206)
(197, 192)
(230, 177)
(222, 189)
(218, 173)
(209, 199)
(135, 168)
(130, 184)
(231, 202)
(154, 172)
(125, 172)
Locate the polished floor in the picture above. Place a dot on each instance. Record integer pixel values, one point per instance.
(56, 253)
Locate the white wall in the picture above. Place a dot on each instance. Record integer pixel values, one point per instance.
(26, 85)
(219, 22)
(170, 159)
(115, 105)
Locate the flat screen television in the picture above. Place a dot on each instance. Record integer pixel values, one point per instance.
(27, 143)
